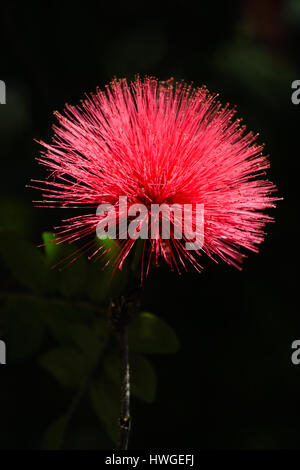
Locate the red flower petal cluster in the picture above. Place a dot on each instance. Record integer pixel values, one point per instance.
(160, 142)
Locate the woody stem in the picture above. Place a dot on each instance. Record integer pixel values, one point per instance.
(125, 420)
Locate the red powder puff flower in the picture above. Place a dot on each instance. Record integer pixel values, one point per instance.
(159, 143)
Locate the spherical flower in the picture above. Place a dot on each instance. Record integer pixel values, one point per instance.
(158, 143)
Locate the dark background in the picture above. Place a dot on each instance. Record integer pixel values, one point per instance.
(232, 385)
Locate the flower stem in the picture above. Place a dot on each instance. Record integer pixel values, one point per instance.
(121, 312)
(125, 420)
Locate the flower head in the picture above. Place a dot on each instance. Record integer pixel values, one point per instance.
(159, 143)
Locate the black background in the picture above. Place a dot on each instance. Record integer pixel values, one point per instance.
(232, 384)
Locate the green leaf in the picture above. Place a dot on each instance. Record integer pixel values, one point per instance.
(25, 262)
(67, 274)
(52, 250)
(75, 324)
(142, 375)
(69, 266)
(24, 327)
(149, 334)
(53, 437)
(111, 246)
(143, 378)
(67, 365)
(73, 276)
(54, 315)
(103, 285)
(99, 284)
(88, 341)
(105, 282)
(71, 312)
(105, 401)
(101, 329)
(52, 256)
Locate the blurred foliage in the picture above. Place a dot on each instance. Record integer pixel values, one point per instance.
(255, 69)
(59, 319)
